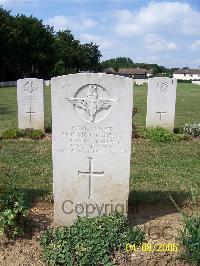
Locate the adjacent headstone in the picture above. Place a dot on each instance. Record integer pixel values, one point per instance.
(47, 83)
(161, 101)
(30, 99)
(91, 137)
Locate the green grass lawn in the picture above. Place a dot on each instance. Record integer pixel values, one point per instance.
(187, 105)
(157, 169)
(162, 169)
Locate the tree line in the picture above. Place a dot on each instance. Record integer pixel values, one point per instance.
(28, 48)
(125, 62)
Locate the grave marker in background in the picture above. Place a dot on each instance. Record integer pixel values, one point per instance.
(161, 101)
(91, 144)
(30, 100)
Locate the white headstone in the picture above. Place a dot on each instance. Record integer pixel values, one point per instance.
(161, 101)
(30, 99)
(91, 135)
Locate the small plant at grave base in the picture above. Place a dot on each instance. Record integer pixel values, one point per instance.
(28, 132)
(10, 134)
(37, 134)
(189, 238)
(22, 133)
(89, 241)
(192, 129)
(13, 213)
(159, 134)
(48, 129)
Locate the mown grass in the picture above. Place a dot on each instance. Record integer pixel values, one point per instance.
(187, 105)
(27, 163)
(160, 170)
(157, 169)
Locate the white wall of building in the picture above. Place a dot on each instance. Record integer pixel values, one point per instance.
(8, 84)
(196, 82)
(187, 76)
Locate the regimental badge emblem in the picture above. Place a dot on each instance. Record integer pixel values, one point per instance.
(162, 87)
(92, 102)
(30, 88)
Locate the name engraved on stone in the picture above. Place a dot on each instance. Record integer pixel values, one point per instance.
(85, 139)
(92, 103)
(90, 174)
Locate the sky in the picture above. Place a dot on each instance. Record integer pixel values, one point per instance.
(162, 32)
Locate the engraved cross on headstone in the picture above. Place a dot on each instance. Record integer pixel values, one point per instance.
(161, 114)
(30, 114)
(90, 174)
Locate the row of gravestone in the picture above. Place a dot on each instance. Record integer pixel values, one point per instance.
(160, 102)
(91, 136)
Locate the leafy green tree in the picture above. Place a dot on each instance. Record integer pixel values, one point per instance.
(6, 25)
(28, 48)
(116, 63)
(123, 62)
(72, 57)
(67, 52)
(90, 57)
(34, 47)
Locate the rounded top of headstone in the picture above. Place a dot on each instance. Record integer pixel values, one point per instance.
(97, 75)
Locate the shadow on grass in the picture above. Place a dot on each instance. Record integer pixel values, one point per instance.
(31, 195)
(5, 110)
(148, 205)
(34, 195)
(178, 130)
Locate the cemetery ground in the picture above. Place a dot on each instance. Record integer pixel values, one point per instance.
(158, 171)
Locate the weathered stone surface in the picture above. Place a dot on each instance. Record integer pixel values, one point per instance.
(161, 101)
(30, 99)
(91, 135)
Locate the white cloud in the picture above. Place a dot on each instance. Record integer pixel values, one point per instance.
(166, 16)
(72, 23)
(101, 41)
(156, 42)
(195, 46)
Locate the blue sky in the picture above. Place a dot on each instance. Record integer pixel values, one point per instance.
(162, 32)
